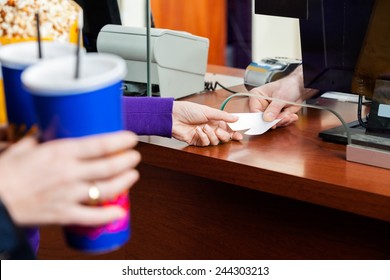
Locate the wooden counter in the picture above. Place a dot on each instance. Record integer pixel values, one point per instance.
(282, 195)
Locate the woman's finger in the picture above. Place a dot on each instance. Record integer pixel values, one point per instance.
(102, 168)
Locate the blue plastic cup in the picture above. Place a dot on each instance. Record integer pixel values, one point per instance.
(69, 107)
(15, 58)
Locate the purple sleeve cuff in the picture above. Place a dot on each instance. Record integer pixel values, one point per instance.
(148, 115)
(33, 236)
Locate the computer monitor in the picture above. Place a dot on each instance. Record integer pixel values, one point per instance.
(97, 13)
(345, 48)
(332, 35)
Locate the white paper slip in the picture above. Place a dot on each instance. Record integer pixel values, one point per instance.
(252, 122)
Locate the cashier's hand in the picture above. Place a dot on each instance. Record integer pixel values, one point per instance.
(49, 183)
(201, 125)
(289, 88)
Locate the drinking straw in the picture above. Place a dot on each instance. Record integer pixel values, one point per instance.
(77, 70)
(38, 35)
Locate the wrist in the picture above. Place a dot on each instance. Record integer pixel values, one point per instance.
(175, 108)
(306, 93)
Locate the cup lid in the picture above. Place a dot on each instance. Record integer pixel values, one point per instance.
(57, 76)
(21, 55)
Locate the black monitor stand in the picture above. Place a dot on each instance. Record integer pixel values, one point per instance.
(359, 134)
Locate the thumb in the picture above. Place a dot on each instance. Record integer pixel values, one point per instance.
(273, 110)
(23, 145)
(218, 115)
(257, 104)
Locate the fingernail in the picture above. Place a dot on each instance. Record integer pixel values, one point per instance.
(269, 116)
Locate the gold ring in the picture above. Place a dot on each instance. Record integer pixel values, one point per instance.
(94, 193)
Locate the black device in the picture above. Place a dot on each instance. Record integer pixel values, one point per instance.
(97, 13)
(335, 40)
